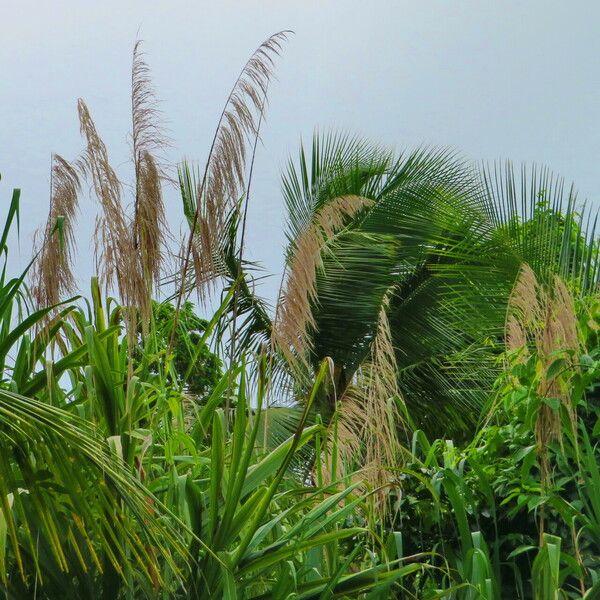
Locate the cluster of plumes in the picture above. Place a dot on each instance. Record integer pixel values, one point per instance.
(368, 419)
(116, 258)
(223, 183)
(55, 246)
(128, 250)
(541, 318)
(294, 319)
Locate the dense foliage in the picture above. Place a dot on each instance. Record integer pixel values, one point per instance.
(511, 512)
(417, 417)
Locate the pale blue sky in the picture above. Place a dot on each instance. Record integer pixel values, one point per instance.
(507, 79)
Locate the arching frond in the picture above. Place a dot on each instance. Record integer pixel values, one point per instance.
(540, 218)
(64, 494)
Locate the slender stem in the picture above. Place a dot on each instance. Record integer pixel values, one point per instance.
(241, 247)
(245, 214)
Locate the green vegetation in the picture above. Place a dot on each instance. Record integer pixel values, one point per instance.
(417, 417)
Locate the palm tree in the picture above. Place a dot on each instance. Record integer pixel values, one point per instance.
(434, 243)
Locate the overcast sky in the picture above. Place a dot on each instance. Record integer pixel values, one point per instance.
(493, 80)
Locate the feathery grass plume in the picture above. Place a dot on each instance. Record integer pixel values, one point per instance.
(115, 252)
(223, 181)
(558, 340)
(149, 223)
(566, 317)
(368, 419)
(52, 275)
(294, 318)
(148, 142)
(542, 319)
(515, 335)
(559, 335)
(524, 314)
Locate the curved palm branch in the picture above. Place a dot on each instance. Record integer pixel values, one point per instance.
(447, 245)
(64, 496)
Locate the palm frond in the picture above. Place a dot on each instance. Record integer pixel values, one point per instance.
(66, 492)
(543, 223)
(427, 237)
(338, 165)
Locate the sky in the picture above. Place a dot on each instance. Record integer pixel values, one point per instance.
(491, 80)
